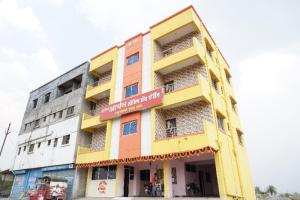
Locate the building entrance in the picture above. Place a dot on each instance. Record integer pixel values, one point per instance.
(126, 180)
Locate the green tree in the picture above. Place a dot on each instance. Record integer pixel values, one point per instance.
(271, 190)
(257, 190)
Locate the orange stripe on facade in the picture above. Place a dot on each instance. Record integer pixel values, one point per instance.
(151, 158)
(130, 145)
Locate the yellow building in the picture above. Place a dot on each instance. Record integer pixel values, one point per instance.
(163, 103)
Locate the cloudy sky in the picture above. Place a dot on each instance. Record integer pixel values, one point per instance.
(260, 39)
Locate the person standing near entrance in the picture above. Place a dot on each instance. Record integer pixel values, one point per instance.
(154, 183)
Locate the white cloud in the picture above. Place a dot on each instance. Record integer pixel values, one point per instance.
(21, 73)
(22, 18)
(124, 19)
(268, 96)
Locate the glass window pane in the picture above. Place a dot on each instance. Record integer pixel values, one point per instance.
(112, 172)
(103, 171)
(126, 129)
(95, 174)
(129, 61)
(134, 89)
(136, 58)
(133, 127)
(132, 59)
(128, 91)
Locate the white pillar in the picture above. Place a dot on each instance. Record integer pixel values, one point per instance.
(120, 181)
(168, 190)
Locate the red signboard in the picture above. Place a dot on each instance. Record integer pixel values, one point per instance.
(132, 104)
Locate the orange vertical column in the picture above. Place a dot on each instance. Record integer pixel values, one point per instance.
(130, 145)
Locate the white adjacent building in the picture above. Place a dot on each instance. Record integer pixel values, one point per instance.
(50, 133)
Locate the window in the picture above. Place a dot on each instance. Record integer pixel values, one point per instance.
(70, 111)
(55, 142)
(36, 123)
(220, 122)
(190, 168)
(132, 59)
(214, 83)
(130, 127)
(69, 86)
(131, 173)
(145, 175)
(233, 104)
(31, 148)
(65, 140)
(44, 119)
(25, 127)
(19, 151)
(103, 173)
(47, 97)
(49, 142)
(169, 86)
(131, 90)
(209, 48)
(171, 129)
(35, 101)
(221, 89)
(39, 145)
(24, 148)
(54, 115)
(228, 77)
(60, 114)
(174, 175)
(240, 137)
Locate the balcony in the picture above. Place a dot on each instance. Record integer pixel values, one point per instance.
(104, 61)
(98, 90)
(87, 155)
(91, 120)
(175, 26)
(177, 96)
(193, 53)
(186, 141)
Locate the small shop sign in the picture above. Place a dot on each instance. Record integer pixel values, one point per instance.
(132, 104)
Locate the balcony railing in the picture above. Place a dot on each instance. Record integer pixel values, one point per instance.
(179, 131)
(178, 47)
(97, 83)
(92, 113)
(170, 87)
(95, 112)
(88, 148)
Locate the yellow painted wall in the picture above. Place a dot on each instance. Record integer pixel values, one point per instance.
(233, 171)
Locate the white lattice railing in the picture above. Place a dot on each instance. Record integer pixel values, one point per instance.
(178, 47)
(179, 131)
(89, 148)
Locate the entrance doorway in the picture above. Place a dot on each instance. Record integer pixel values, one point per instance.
(126, 181)
(205, 183)
(201, 179)
(128, 175)
(145, 182)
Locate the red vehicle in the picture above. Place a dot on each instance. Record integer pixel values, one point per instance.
(50, 188)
